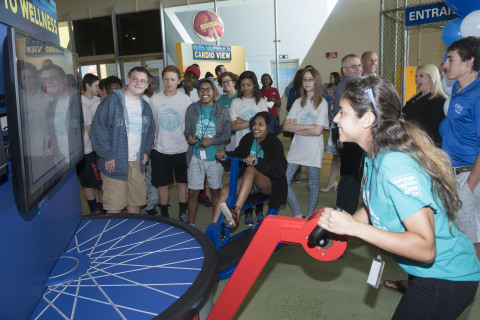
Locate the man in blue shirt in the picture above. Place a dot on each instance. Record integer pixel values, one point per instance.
(462, 132)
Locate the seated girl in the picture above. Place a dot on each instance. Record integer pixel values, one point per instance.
(410, 201)
(264, 167)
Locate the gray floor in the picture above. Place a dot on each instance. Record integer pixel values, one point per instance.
(293, 285)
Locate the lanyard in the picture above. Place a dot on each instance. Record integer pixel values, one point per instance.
(204, 128)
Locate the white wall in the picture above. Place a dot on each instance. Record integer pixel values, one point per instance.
(353, 27)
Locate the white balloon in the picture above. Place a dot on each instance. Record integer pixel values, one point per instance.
(445, 106)
(471, 25)
(447, 85)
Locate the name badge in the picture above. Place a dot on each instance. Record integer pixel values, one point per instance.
(203, 155)
(376, 271)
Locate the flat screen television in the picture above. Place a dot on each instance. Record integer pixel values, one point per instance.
(44, 116)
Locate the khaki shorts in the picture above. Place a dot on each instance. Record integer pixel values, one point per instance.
(117, 194)
(468, 216)
(199, 169)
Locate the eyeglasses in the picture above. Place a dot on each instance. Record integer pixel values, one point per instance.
(142, 81)
(369, 93)
(355, 66)
(207, 90)
(308, 79)
(226, 81)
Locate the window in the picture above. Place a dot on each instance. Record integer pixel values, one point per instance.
(93, 36)
(139, 32)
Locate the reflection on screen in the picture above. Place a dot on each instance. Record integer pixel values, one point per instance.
(49, 108)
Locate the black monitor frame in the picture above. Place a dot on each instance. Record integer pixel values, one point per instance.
(27, 195)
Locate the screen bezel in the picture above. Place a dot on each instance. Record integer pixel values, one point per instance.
(25, 198)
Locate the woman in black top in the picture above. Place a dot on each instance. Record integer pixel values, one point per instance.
(426, 107)
(264, 166)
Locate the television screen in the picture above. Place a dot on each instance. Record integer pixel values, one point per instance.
(44, 116)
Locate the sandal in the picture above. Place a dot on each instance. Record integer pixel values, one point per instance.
(396, 285)
(328, 188)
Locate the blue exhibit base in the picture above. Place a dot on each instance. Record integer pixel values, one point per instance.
(131, 267)
(68, 267)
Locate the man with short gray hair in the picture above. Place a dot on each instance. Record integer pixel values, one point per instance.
(351, 155)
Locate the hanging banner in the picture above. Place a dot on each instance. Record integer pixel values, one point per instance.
(434, 12)
(37, 17)
(206, 52)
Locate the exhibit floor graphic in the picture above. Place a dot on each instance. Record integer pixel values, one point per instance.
(131, 267)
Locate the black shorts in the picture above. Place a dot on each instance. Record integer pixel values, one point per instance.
(88, 173)
(164, 165)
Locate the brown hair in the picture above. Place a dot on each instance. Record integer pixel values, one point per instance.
(318, 90)
(172, 68)
(232, 76)
(389, 132)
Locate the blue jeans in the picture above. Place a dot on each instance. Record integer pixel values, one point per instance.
(435, 299)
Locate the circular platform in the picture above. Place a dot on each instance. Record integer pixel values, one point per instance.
(135, 267)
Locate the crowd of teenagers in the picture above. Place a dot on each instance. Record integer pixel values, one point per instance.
(418, 171)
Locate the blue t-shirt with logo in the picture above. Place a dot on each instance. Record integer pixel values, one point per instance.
(226, 101)
(396, 187)
(205, 128)
(462, 126)
(256, 150)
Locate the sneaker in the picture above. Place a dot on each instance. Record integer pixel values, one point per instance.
(231, 215)
(205, 201)
(152, 211)
(182, 216)
(158, 205)
(249, 220)
(260, 217)
(97, 211)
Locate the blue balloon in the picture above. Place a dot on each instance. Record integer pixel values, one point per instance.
(463, 7)
(441, 127)
(451, 31)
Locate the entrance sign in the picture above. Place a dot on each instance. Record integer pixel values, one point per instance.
(434, 12)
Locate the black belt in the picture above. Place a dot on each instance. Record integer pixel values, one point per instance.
(459, 170)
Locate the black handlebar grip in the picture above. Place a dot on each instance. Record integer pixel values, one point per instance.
(316, 237)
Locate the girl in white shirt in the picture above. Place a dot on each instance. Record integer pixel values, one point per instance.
(307, 119)
(247, 104)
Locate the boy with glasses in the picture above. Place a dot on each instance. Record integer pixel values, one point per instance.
(123, 130)
(207, 130)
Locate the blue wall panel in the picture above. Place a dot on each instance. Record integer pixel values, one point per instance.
(31, 243)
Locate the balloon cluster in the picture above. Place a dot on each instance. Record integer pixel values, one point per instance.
(469, 25)
(457, 29)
